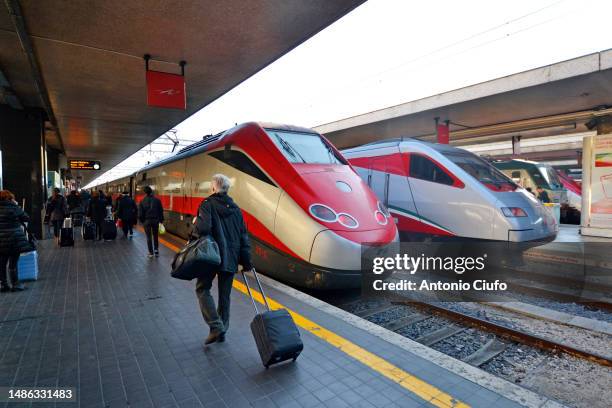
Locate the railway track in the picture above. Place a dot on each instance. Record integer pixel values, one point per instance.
(419, 313)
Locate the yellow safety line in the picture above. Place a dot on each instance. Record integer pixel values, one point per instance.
(424, 390)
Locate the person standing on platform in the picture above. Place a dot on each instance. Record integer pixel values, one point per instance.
(13, 241)
(85, 198)
(97, 213)
(543, 195)
(151, 213)
(74, 202)
(127, 212)
(57, 209)
(221, 218)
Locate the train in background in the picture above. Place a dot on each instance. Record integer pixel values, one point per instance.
(306, 209)
(531, 174)
(440, 192)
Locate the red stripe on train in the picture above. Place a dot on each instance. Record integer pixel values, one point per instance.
(190, 205)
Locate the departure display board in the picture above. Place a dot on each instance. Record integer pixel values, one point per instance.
(84, 164)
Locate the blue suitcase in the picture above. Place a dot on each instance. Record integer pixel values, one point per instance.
(27, 267)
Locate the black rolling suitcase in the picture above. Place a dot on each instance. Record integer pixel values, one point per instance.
(89, 231)
(66, 237)
(109, 230)
(276, 335)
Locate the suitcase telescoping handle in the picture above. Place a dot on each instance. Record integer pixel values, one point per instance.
(246, 282)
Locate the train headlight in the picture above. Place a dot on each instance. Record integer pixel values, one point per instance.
(380, 218)
(323, 213)
(383, 209)
(513, 212)
(347, 220)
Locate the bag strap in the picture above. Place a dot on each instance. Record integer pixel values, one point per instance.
(246, 282)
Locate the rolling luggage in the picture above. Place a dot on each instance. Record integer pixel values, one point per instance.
(27, 267)
(109, 230)
(89, 231)
(66, 237)
(276, 335)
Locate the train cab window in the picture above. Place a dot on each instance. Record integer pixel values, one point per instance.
(298, 147)
(240, 161)
(423, 168)
(482, 170)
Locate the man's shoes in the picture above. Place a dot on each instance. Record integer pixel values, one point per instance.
(157, 254)
(150, 255)
(18, 288)
(213, 337)
(221, 338)
(5, 288)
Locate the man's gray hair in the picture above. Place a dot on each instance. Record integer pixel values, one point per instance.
(221, 183)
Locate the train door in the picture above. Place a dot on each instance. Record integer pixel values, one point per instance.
(378, 178)
(387, 178)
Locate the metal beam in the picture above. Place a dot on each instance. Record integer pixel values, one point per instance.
(14, 9)
(7, 94)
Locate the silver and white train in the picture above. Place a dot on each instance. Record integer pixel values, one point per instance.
(440, 192)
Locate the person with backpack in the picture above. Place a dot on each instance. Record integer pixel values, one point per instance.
(97, 212)
(151, 214)
(56, 209)
(127, 212)
(220, 217)
(13, 241)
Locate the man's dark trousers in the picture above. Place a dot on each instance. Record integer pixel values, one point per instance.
(216, 318)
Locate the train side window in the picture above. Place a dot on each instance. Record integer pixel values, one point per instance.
(240, 161)
(423, 168)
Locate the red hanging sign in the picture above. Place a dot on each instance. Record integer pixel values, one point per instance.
(166, 90)
(443, 133)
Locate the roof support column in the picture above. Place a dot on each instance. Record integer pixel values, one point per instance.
(23, 164)
(516, 146)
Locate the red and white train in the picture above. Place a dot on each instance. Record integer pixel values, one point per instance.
(441, 192)
(306, 209)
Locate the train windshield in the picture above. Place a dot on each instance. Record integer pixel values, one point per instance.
(551, 177)
(481, 170)
(304, 147)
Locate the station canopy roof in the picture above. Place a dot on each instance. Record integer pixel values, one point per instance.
(549, 101)
(89, 58)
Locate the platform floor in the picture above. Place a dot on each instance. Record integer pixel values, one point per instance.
(571, 233)
(105, 319)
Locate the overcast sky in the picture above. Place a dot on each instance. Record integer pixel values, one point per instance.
(388, 52)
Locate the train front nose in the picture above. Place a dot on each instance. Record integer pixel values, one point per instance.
(539, 224)
(341, 252)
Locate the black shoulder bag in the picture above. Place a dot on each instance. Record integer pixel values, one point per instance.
(196, 258)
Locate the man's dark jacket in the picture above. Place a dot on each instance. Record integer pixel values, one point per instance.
(13, 239)
(150, 210)
(97, 210)
(543, 196)
(221, 218)
(126, 209)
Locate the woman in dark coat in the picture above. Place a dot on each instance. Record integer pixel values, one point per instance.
(57, 210)
(13, 241)
(97, 212)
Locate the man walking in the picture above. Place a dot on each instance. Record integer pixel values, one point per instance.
(126, 212)
(221, 218)
(151, 213)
